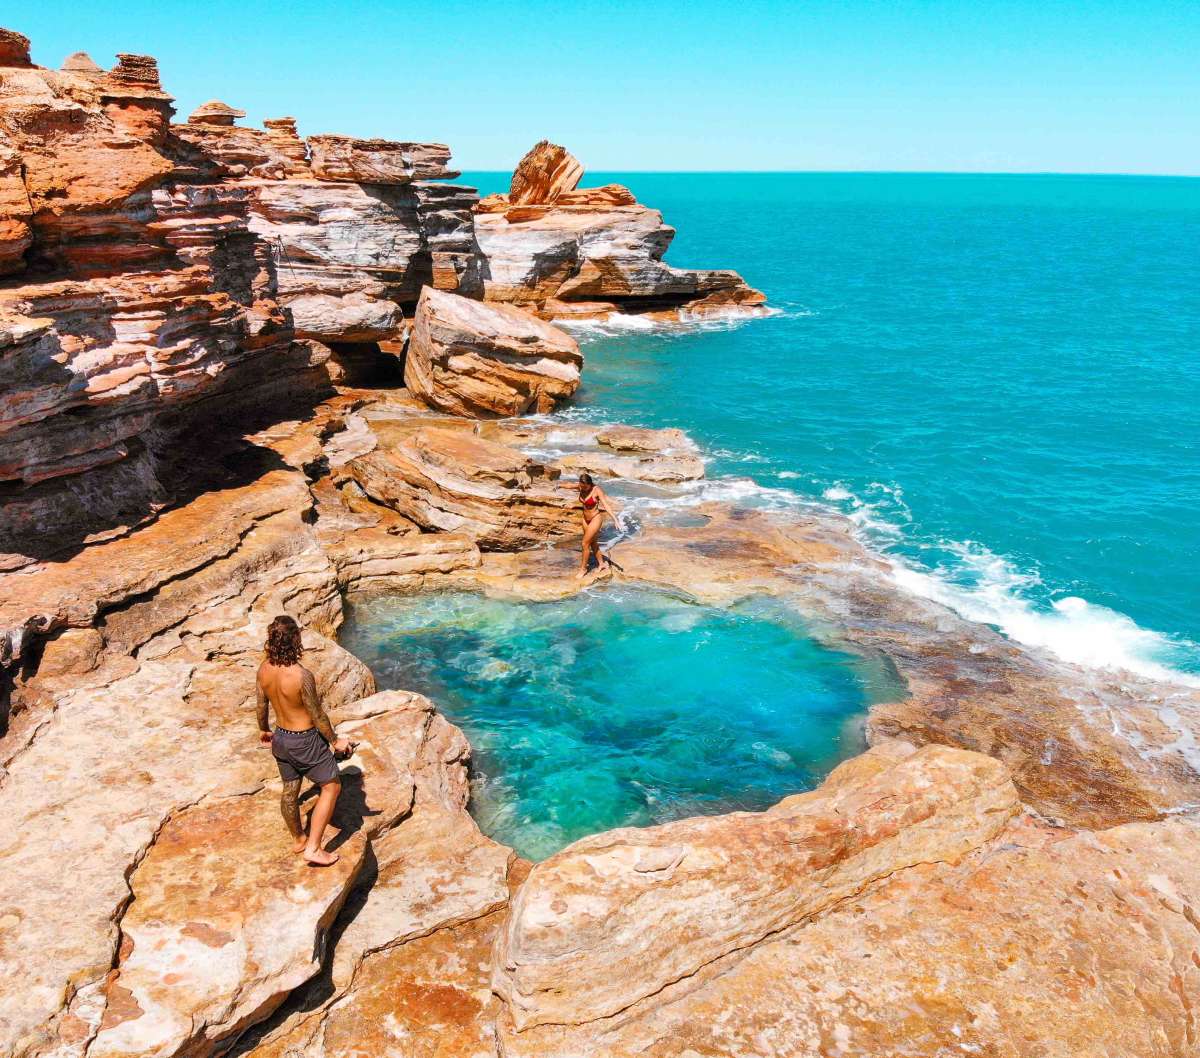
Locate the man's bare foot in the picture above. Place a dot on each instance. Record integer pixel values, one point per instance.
(320, 858)
(299, 843)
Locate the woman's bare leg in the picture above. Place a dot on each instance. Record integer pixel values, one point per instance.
(590, 533)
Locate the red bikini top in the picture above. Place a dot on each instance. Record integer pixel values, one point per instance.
(590, 502)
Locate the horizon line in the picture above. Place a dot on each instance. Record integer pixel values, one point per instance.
(873, 172)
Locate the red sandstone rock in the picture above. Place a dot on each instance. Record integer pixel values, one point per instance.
(545, 172)
(614, 919)
(14, 49)
(378, 161)
(16, 212)
(81, 62)
(479, 360)
(608, 195)
(452, 481)
(177, 275)
(214, 112)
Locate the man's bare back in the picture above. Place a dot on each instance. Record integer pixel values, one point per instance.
(292, 691)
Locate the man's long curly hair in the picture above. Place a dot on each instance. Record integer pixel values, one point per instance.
(283, 641)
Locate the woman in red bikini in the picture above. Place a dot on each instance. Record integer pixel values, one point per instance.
(595, 505)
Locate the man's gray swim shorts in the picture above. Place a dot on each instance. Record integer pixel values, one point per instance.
(303, 753)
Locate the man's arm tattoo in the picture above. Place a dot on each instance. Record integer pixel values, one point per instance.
(312, 704)
(261, 707)
(289, 805)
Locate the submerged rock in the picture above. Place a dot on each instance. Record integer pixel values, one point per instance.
(654, 468)
(478, 360)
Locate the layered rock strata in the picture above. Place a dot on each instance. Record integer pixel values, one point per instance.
(186, 263)
(479, 360)
(566, 251)
(453, 481)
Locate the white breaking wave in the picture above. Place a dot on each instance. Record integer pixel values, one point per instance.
(616, 323)
(742, 491)
(978, 584)
(607, 326)
(1076, 630)
(985, 587)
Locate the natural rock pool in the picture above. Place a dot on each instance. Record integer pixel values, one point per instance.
(621, 708)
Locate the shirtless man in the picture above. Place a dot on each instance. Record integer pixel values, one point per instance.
(302, 739)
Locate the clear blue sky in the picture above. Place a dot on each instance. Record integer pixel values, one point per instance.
(994, 85)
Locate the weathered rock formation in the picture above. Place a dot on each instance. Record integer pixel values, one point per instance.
(169, 267)
(551, 247)
(480, 360)
(617, 918)
(453, 481)
(1039, 941)
(544, 174)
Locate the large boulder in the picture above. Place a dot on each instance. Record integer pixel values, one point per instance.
(452, 481)
(478, 360)
(1043, 942)
(545, 172)
(614, 919)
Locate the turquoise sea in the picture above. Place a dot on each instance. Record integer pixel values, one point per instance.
(996, 377)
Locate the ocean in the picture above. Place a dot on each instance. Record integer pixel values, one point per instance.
(996, 377)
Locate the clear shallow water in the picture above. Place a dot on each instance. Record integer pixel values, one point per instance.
(998, 377)
(621, 708)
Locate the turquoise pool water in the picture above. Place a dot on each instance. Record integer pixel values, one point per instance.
(997, 377)
(621, 708)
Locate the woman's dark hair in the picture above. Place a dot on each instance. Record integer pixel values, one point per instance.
(585, 479)
(283, 641)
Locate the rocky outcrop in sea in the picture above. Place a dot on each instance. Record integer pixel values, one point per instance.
(244, 372)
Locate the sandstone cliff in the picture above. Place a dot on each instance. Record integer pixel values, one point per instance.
(174, 274)
(169, 277)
